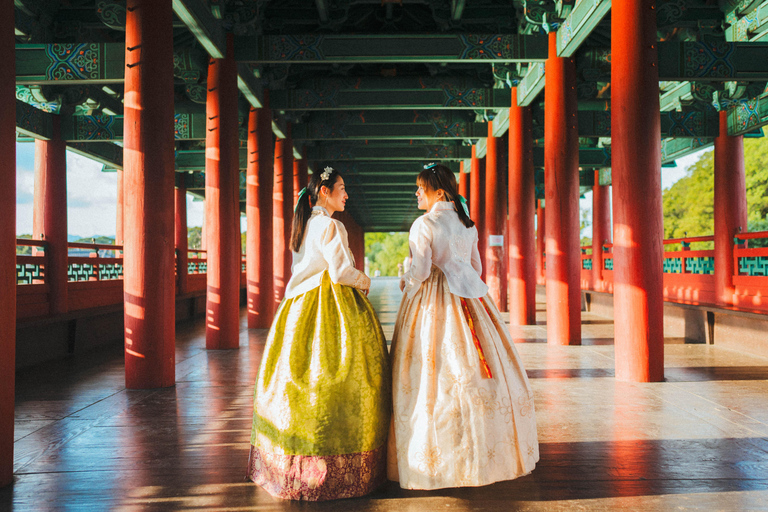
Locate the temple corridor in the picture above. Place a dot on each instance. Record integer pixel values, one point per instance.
(699, 440)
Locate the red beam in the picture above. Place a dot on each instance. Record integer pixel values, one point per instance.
(222, 204)
(730, 207)
(637, 211)
(50, 213)
(258, 210)
(522, 200)
(7, 240)
(148, 175)
(561, 182)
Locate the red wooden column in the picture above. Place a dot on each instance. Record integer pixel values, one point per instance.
(119, 237)
(477, 200)
(303, 170)
(148, 175)
(50, 213)
(258, 210)
(288, 204)
(222, 204)
(601, 228)
(495, 217)
(296, 180)
(561, 183)
(279, 224)
(730, 207)
(463, 181)
(182, 244)
(637, 212)
(540, 242)
(7, 240)
(522, 201)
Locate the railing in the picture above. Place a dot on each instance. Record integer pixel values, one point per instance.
(197, 264)
(686, 261)
(31, 268)
(104, 263)
(688, 272)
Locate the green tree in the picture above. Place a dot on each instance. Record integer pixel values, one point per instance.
(194, 237)
(385, 250)
(689, 203)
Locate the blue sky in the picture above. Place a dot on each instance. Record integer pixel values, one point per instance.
(92, 194)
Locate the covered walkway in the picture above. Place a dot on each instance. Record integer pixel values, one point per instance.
(699, 440)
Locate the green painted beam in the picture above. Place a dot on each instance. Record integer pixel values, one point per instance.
(340, 152)
(390, 48)
(71, 62)
(713, 61)
(749, 115)
(531, 85)
(106, 153)
(105, 128)
(377, 167)
(407, 131)
(374, 117)
(194, 160)
(588, 157)
(447, 98)
(33, 122)
(391, 83)
(672, 149)
(577, 26)
(688, 123)
(197, 16)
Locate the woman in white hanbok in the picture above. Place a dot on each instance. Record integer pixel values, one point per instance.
(463, 412)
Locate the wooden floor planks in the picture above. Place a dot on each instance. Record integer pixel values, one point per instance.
(698, 441)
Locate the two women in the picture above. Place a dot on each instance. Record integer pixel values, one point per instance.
(463, 409)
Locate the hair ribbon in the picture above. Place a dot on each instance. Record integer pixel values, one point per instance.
(464, 205)
(302, 193)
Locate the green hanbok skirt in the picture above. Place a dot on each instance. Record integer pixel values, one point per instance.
(322, 399)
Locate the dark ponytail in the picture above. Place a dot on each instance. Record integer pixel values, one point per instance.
(440, 177)
(307, 199)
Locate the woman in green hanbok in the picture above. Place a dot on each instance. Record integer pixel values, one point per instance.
(322, 397)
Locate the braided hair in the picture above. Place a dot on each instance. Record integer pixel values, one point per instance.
(307, 198)
(439, 177)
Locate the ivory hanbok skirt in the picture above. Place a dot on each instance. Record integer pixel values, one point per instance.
(463, 407)
(322, 398)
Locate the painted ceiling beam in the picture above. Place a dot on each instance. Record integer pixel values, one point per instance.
(747, 116)
(341, 152)
(393, 83)
(674, 148)
(687, 123)
(469, 99)
(390, 48)
(713, 61)
(197, 16)
(577, 26)
(390, 168)
(579, 23)
(376, 117)
(406, 131)
(111, 155)
(70, 63)
(588, 157)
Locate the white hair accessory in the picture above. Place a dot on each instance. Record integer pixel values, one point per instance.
(326, 173)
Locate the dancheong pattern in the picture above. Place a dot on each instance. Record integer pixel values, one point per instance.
(73, 61)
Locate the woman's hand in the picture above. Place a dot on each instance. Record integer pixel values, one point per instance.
(402, 284)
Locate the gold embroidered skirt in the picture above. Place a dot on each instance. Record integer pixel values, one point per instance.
(463, 407)
(322, 398)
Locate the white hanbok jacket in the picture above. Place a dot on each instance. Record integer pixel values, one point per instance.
(325, 247)
(439, 238)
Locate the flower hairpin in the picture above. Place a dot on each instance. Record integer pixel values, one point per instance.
(326, 173)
